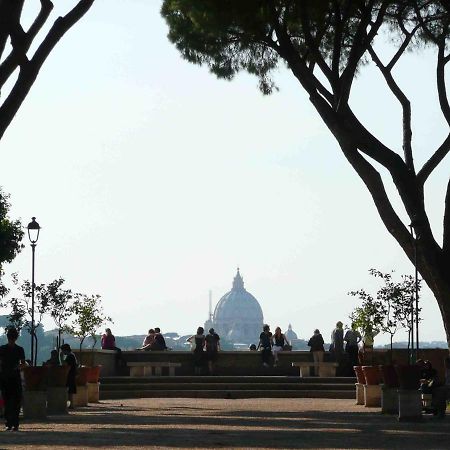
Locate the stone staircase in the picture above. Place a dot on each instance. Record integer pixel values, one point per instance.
(227, 387)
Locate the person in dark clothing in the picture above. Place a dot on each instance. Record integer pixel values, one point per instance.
(54, 359)
(71, 361)
(198, 343)
(316, 343)
(12, 357)
(212, 344)
(265, 344)
(159, 343)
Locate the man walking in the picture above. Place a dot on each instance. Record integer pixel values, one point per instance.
(12, 356)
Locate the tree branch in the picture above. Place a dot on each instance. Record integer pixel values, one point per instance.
(18, 53)
(406, 108)
(29, 70)
(446, 233)
(440, 80)
(361, 41)
(434, 161)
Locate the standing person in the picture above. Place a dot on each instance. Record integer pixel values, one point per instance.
(159, 343)
(148, 341)
(212, 343)
(71, 360)
(265, 344)
(352, 338)
(279, 341)
(337, 341)
(198, 340)
(12, 357)
(316, 343)
(367, 347)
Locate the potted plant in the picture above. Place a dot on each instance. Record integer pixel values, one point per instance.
(360, 378)
(21, 315)
(88, 317)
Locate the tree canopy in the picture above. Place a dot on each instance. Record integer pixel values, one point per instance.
(324, 45)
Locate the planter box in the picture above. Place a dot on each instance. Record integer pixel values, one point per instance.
(57, 400)
(359, 393)
(81, 397)
(372, 395)
(35, 405)
(93, 392)
(409, 405)
(389, 400)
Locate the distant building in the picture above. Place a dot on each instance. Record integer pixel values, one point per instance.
(238, 317)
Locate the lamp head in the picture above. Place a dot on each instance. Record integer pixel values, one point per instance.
(33, 230)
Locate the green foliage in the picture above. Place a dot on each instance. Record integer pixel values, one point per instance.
(390, 310)
(11, 232)
(88, 317)
(20, 306)
(11, 235)
(253, 35)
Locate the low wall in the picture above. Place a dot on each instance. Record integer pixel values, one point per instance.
(244, 362)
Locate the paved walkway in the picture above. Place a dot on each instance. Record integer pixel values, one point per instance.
(216, 423)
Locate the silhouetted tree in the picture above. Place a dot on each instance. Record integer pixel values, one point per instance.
(324, 44)
(19, 65)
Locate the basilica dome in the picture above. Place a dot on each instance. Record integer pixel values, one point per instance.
(238, 316)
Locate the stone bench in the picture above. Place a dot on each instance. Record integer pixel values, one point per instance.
(326, 369)
(145, 368)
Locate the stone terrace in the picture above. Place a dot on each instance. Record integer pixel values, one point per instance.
(218, 423)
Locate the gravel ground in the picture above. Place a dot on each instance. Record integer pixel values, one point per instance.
(219, 423)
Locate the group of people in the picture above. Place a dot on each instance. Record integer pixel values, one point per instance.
(341, 343)
(154, 341)
(271, 344)
(12, 359)
(205, 349)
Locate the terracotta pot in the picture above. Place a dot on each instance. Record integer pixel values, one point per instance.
(360, 378)
(94, 374)
(57, 375)
(372, 375)
(35, 377)
(82, 375)
(389, 375)
(408, 377)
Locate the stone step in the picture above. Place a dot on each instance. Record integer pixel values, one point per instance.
(226, 386)
(228, 394)
(228, 379)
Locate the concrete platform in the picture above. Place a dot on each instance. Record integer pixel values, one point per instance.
(213, 423)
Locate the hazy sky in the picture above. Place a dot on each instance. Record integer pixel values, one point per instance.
(153, 181)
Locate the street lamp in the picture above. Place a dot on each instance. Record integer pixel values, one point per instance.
(33, 235)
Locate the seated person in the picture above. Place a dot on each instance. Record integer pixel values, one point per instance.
(430, 384)
(109, 341)
(148, 341)
(159, 343)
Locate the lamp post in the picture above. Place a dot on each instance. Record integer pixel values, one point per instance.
(33, 235)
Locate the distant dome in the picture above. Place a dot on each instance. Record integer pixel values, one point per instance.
(238, 315)
(290, 333)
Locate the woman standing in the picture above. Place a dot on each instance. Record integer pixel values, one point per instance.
(279, 341)
(198, 341)
(316, 343)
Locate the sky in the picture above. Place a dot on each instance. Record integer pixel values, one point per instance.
(153, 181)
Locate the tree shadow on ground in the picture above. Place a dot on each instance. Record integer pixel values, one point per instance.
(113, 425)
